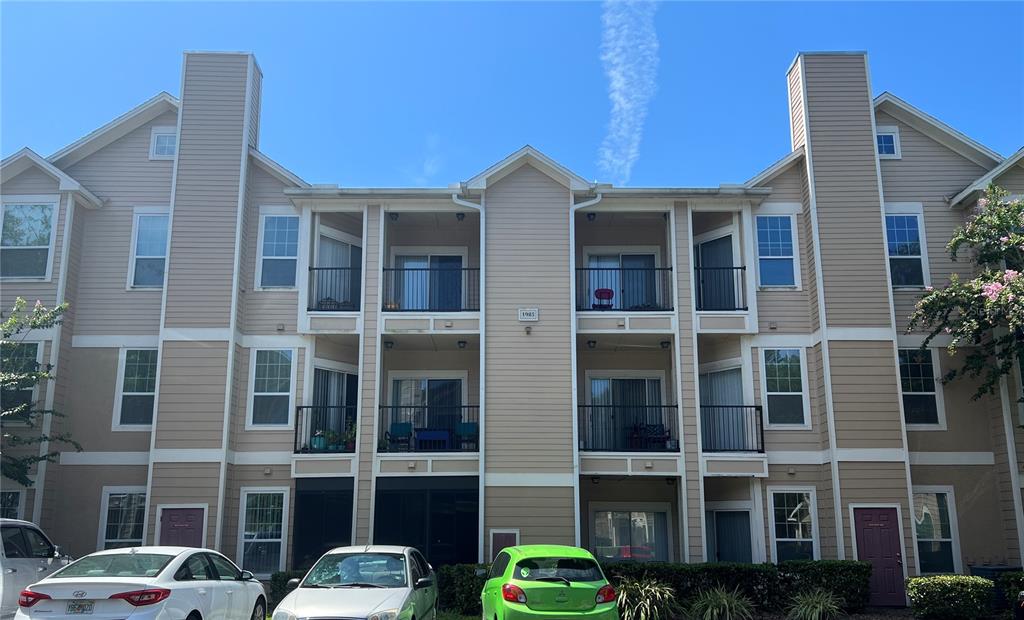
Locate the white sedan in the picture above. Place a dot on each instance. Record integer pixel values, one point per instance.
(147, 583)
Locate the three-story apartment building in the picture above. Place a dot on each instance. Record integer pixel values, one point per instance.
(272, 368)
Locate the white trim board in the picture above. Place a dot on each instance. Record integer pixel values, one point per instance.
(528, 480)
(952, 458)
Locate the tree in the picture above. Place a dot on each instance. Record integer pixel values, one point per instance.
(983, 316)
(20, 373)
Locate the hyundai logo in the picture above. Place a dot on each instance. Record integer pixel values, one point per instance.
(79, 593)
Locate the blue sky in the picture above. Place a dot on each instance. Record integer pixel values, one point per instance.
(429, 94)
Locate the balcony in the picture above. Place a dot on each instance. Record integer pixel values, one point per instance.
(429, 428)
(732, 428)
(325, 429)
(432, 289)
(721, 289)
(628, 428)
(334, 289)
(624, 289)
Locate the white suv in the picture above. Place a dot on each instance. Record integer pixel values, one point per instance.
(27, 556)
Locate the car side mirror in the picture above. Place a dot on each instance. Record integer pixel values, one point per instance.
(424, 582)
(480, 572)
(246, 576)
(293, 583)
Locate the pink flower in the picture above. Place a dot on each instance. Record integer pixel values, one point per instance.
(947, 330)
(983, 202)
(1004, 239)
(991, 290)
(929, 288)
(1010, 275)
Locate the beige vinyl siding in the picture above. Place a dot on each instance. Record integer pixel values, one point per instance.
(622, 230)
(424, 363)
(717, 347)
(963, 431)
(976, 491)
(842, 151)
(865, 395)
(787, 186)
(687, 383)
(873, 484)
(631, 490)
(92, 388)
(343, 349)
(543, 515)
(264, 310)
(1005, 485)
(529, 391)
(78, 497)
(794, 88)
(32, 182)
(262, 439)
(817, 476)
(122, 174)
(240, 476)
(433, 229)
(185, 483)
(202, 260)
(43, 290)
(255, 97)
(191, 401)
(1012, 180)
(368, 379)
(808, 259)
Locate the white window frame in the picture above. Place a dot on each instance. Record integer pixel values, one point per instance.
(138, 212)
(249, 425)
(940, 402)
(780, 209)
(243, 498)
(815, 542)
(20, 509)
(601, 373)
(954, 526)
(105, 493)
(276, 211)
(915, 209)
(122, 358)
(594, 507)
(54, 203)
(162, 131)
(805, 391)
(397, 375)
(40, 345)
(889, 130)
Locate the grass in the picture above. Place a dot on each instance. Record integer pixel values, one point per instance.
(447, 615)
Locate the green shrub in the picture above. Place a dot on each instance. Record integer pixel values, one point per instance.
(949, 597)
(758, 582)
(817, 604)
(721, 604)
(459, 587)
(279, 586)
(646, 599)
(849, 580)
(1010, 585)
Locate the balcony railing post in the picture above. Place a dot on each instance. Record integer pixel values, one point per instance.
(325, 429)
(429, 428)
(431, 289)
(334, 289)
(625, 289)
(731, 428)
(721, 288)
(628, 428)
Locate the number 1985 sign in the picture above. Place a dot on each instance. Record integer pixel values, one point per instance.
(530, 315)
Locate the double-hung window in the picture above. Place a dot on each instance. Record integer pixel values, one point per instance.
(785, 392)
(922, 400)
(776, 264)
(10, 504)
(263, 519)
(793, 527)
(124, 513)
(149, 249)
(21, 358)
(905, 245)
(887, 142)
(137, 393)
(279, 249)
(935, 521)
(163, 142)
(26, 239)
(271, 399)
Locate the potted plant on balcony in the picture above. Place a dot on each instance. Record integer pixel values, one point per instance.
(318, 442)
(333, 441)
(350, 438)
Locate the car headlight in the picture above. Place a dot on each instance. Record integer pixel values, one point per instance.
(284, 615)
(387, 614)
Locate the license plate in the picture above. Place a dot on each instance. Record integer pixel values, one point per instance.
(80, 607)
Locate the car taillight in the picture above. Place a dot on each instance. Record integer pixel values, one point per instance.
(606, 594)
(28, 598)
(513, 593)
(143, 597)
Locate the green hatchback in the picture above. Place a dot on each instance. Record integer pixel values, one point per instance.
(547, 581)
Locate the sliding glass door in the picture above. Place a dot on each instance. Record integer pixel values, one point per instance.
(430, 282)
(618, 406)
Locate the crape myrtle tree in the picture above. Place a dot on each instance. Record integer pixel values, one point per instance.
(21, 420)
(983, 316)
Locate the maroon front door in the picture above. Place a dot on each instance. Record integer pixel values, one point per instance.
(878, 542)
(181, 527)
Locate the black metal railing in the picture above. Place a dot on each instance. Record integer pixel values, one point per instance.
(325, 429)
(334, 289)
(429, 428)
(632, 290)
(731, 428)
(431, 290)
(721, 288)
(628, 428)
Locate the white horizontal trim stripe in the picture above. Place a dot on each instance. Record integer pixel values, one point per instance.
(820, 457)
(117, 342)
(799, 457)
(187, 455)
(196, 333)
(269, 341)
(529, 480)
(860, 333)
(871, 454)
(784, 340)
(914, 341)
(260, 458)
(104, 458)
(952, 458)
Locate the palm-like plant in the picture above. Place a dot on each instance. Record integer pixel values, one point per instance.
(817, 604)
(646, 599)
(721, 604)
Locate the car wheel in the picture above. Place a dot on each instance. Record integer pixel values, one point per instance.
(259, 612)
(194, 616)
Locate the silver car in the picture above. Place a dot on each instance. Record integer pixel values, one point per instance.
(377, 582)
(26, 556)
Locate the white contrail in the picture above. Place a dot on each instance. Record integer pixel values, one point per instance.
(629, 52)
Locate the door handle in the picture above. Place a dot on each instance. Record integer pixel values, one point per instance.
(10, 570)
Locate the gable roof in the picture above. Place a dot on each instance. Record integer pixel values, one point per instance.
(27, 158)
(275, 169)
(993, 174)
(777, 168)
(937, 130)
(529, 155)
(117, 128)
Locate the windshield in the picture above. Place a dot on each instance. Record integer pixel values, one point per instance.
(117, 565)
(357, 570)
(557, 569)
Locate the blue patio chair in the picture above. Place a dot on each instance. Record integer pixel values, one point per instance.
(399, 438)
(467, 435)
